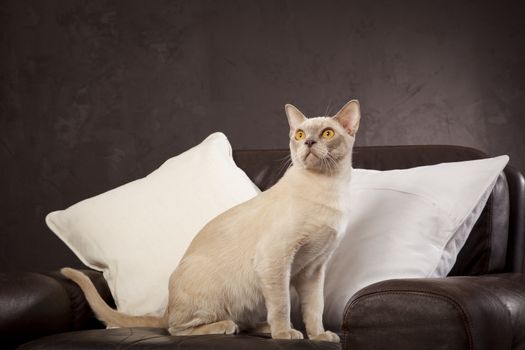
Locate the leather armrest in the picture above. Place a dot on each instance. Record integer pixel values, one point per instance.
(481, 312)
(34, 304)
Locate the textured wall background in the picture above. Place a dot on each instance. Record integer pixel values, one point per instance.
(98, 93)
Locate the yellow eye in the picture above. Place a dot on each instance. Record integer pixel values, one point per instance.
(299, 135)
(328, 134)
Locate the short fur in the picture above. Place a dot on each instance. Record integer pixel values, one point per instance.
(238, 270)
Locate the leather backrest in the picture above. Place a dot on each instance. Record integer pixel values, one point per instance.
(491, 246)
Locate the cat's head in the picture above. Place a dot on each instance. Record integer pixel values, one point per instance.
(323, 144)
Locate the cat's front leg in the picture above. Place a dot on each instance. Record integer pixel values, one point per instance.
(309, 284)
(273, 271)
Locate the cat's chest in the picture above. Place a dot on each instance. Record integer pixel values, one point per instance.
(321, 229)
(316, 247)
(324, 214)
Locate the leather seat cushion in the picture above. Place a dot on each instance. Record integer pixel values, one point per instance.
(158, 338)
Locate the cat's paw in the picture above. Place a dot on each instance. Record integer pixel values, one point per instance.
(287, 334)
(327, 336)
(223, 327)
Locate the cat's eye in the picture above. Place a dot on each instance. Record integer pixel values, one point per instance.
(299, 135)
(328, 134)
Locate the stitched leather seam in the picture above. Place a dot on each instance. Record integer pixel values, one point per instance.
(451, 301)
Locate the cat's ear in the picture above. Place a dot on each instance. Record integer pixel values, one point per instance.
(295, 117)
(349, 117)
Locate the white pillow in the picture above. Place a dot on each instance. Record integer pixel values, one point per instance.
(137, 233)
(406, 224)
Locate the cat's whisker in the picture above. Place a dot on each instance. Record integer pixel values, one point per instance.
(286, 157)
(334, 163)
(326, 165)
(331, 164)
(286, 163)
(323, 164)
(331, 168)
(328, 107)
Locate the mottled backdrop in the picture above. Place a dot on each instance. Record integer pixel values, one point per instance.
(97, 93)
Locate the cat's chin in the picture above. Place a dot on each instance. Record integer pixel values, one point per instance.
(312, 161)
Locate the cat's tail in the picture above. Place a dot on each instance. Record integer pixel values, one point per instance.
(106, 314)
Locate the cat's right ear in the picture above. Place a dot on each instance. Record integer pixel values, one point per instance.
(349, 117)
(295, 117)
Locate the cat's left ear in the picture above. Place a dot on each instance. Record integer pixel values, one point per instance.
(295, 117)
(349, 117)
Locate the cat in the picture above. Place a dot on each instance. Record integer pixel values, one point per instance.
(238, 269)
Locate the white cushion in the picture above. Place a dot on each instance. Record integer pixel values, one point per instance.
(137, 233)
(406, 224)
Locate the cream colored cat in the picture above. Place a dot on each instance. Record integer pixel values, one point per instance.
(238, 270)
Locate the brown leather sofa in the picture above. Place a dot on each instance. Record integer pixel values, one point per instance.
(481, 305)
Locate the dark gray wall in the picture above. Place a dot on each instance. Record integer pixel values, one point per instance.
(98, 93)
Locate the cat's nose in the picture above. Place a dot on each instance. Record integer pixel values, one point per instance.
(310, 142)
